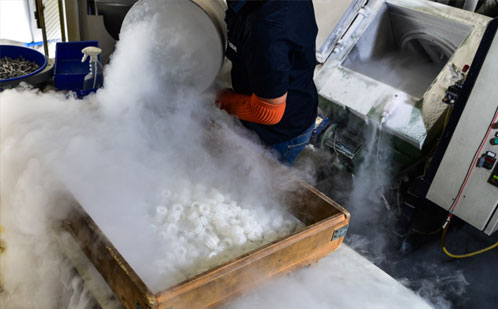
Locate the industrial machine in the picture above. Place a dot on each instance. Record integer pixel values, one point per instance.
(463, 176)
(401, 54)
(406, 60)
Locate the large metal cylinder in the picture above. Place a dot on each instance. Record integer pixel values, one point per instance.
(189, 37)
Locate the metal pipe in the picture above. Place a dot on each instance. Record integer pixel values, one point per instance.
(41, 24)
(62, 21)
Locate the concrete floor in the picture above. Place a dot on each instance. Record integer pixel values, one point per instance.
(417, 261)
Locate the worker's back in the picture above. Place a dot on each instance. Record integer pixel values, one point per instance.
(272, 49)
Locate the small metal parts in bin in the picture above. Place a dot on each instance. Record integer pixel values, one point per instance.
(11, 68)
(21, 64)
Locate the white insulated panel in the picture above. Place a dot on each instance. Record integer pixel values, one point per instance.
(479, 198)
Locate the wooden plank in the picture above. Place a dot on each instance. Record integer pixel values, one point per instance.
(128, 287)
(310, 205)
(92, 279)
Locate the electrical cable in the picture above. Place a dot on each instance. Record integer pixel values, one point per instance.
(446, 224)
(462, 256)
(469, 172)
(435, 232)
(474, 161)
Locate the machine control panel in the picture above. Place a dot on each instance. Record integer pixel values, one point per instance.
(493, 178)
(487, 160)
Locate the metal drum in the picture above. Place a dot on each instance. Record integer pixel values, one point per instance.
(189, 38)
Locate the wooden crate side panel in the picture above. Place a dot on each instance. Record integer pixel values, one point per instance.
(234, 280)
(121, 278)
(311, 206)
(310, 261)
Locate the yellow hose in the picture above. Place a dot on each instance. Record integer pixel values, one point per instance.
(462, 256)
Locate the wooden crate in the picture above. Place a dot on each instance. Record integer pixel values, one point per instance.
(325, 220)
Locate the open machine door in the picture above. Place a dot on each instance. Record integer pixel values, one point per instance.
(401, 53)
(334, 19)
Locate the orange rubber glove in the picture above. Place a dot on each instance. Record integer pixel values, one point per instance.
(250, 107)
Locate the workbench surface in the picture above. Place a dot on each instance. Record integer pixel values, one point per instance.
(344, 279)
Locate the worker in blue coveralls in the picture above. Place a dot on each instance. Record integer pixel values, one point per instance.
(271, 45)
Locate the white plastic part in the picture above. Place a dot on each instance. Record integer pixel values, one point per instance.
(199, 230)
(212, 241)
(203, 221)
(254, 235)
(237, 230)
(213, 254)
(177, 207)
(204, 209)
(210, 229)
(193, 217)
(180, 251)
(161, 213)
(227, 242)
(171, 229)
(277, 223)
(239, 239)
(92, 52)
(173, 217)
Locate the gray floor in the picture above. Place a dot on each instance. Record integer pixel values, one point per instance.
(416, 260)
